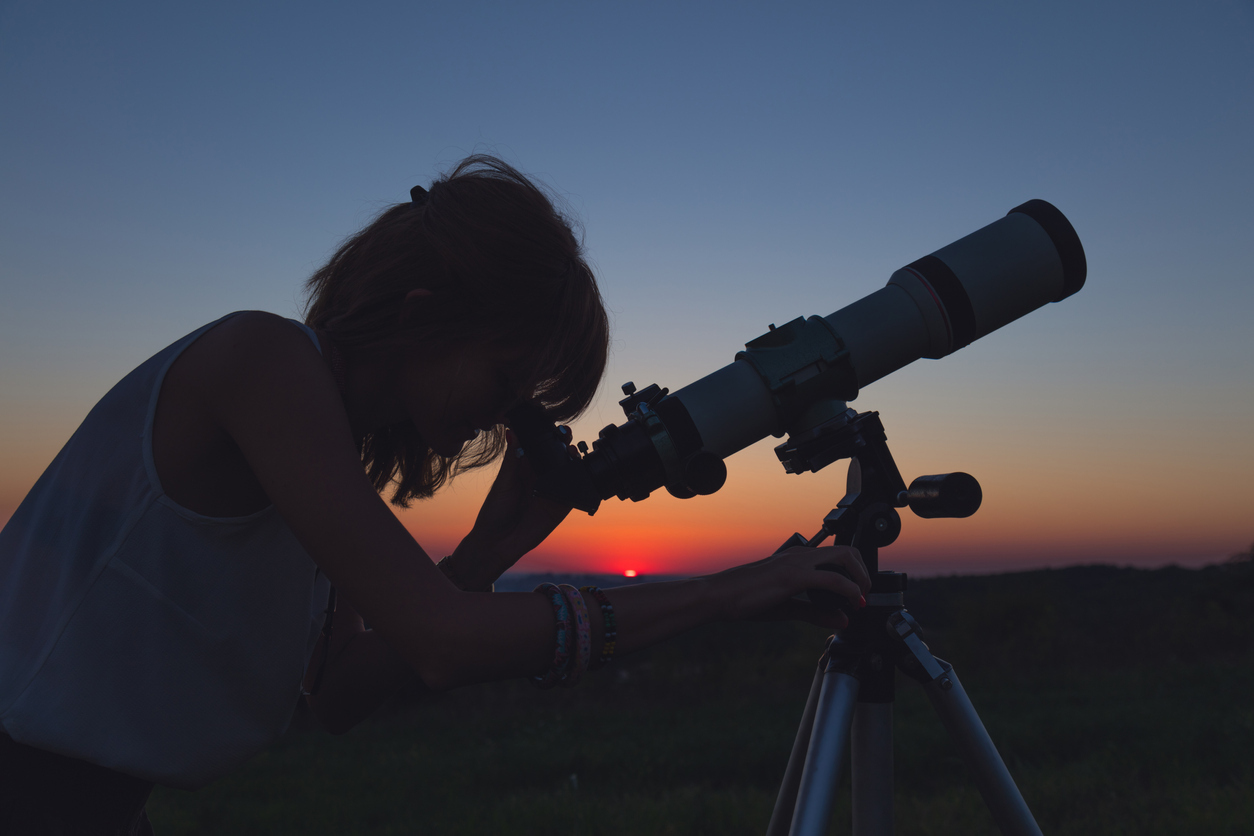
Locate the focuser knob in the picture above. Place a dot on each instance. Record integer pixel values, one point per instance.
(944, 495)
(650, 395)
(704, 473)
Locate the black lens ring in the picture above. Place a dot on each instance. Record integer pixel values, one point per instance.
(683, 431)
(953, 296)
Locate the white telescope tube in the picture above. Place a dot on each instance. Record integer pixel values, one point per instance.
(929, 308)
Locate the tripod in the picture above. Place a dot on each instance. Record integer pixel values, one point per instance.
(851, 697)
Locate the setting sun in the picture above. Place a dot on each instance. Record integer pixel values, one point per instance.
(629, 573)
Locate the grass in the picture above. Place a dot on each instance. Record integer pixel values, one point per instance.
(692, 737)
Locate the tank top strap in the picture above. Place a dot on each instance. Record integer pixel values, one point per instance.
(309, 332)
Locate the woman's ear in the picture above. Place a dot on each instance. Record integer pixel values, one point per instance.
(414, 301)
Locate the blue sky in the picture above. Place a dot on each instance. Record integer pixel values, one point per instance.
(733, 165)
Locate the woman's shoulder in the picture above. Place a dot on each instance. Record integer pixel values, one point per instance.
(259, 325)
(238, 372)
(249, 339)
(246, 356)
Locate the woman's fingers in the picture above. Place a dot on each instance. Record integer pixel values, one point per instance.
(849, 558)
(838, 569)
(768, 587)
(846, 558)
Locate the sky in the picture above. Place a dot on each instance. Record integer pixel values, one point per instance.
(733, 165)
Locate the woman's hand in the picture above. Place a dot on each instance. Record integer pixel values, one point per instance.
(649, 612)
(766, 589)
(511, 522)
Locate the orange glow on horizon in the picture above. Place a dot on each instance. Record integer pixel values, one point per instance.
(1059, 517)
(629, 573)
(1070, 496)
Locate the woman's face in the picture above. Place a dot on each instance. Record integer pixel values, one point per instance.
(451, 395)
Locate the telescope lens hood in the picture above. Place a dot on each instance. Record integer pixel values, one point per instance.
(1075, 267)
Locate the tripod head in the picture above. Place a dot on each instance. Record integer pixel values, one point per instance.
(866, 518)
(850, 703)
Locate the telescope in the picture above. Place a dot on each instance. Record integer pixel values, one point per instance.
(795, 380)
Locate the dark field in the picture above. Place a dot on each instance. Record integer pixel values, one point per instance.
(1120, 699)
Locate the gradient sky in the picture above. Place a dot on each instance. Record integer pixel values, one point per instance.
(733, 165)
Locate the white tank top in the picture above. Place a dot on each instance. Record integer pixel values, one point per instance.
(136, 634)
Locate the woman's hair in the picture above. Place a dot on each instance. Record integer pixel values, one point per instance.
(504, 266)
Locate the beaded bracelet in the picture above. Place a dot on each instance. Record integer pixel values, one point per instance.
(583, 635)
(561, 652)
(610, 626)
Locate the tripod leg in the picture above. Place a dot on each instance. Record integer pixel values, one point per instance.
(1001, 795)
(872, 769)
(829, 738)
(781, 817)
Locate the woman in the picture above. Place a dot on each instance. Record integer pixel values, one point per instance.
(166, 586)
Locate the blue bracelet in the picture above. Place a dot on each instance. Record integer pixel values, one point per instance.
(609, 625)
(561, 652)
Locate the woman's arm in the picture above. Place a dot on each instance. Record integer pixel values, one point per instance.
(266, 386)
(511, 522)
(262, 381)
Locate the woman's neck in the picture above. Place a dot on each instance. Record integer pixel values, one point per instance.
(370, 396)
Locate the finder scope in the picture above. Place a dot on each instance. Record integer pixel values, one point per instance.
(795, 378)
